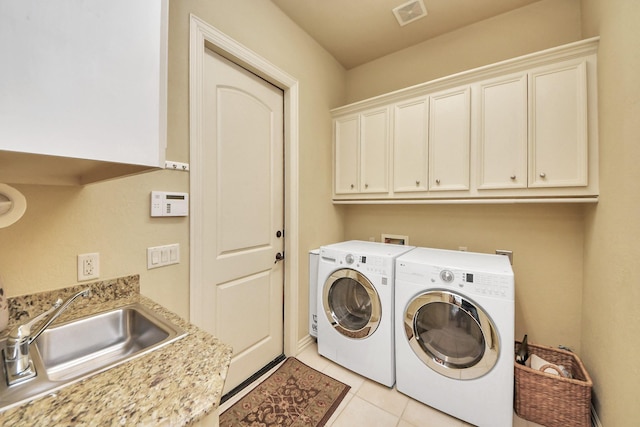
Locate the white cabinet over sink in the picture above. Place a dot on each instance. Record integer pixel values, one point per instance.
(83, 89)
(522, 130)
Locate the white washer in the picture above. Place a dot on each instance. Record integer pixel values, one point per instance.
(455, 333)
(355, 307)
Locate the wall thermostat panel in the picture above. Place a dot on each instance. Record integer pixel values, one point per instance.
(165, 203)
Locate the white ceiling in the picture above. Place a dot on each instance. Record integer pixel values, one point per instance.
(358, 31)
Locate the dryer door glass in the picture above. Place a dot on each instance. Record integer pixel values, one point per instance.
(351, 304)
(451, 334)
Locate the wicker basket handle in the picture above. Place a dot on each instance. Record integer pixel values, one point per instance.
(543, 368)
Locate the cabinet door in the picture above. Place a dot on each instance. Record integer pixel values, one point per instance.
(84, 81)
(502, 133)
(449, 122)
(410, 128)
(347, 154)
(558, 125)
(374, 151)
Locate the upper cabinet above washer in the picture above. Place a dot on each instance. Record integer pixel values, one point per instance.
(558, 125)
(83, 89)
(522, 130)
(362, 152)
(502, 132)
(449, 113)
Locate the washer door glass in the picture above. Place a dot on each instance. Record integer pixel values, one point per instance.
(351, 303)
(451, 334)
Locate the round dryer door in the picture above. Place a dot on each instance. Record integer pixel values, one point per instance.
(351, 303)
(451, 334)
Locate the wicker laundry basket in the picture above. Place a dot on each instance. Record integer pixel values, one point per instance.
(553, 400)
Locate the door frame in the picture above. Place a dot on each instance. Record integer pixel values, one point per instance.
(204, 36)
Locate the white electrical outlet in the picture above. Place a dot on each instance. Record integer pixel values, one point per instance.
(88, 266)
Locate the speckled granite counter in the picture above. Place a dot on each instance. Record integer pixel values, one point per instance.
(175, 385)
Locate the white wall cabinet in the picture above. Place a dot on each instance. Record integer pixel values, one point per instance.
(410, 149)
(449, 123)
(535, 122)
(558, 125)
(362, 152)
(523, 130)
(374, 151)
(502, 133)
(83, 89)
(347, 154)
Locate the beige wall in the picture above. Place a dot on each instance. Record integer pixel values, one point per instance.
(610, 320)
(529, 29)
(112, 218)
(546, 241)
(39, 252)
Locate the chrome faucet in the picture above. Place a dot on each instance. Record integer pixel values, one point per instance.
(17, 360)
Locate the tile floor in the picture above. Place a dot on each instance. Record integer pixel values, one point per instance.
(373, 405)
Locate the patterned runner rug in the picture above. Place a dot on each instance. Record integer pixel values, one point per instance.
(294, 395)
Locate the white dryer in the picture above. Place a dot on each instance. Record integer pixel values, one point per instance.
(455, 333)
(355, 307)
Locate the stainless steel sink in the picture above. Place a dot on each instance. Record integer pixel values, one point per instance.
(71, 351)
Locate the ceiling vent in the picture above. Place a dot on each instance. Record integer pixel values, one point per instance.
(410, 11)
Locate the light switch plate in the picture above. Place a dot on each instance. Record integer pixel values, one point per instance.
(160, 256)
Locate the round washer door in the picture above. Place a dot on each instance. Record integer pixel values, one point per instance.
(451, 334)
(351, 303)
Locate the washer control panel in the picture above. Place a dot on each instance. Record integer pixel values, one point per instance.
(479, 283)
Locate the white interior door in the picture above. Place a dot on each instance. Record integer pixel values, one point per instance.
(243, 202)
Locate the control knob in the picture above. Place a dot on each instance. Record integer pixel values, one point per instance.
(446, 276)
(349, 259)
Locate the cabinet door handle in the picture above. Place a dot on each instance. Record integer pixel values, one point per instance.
(438, 181)
(417, 183)
(352, 186)
(513, 177)
(366, 186)
(543, 175)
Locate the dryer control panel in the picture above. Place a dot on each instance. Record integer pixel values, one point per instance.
(368, 264)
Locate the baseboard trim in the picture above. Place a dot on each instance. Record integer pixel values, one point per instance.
(595, 421)
(304, 343)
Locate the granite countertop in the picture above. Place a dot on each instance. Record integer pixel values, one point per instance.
(175, 385)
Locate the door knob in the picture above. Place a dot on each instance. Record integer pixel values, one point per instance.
(279, 257)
